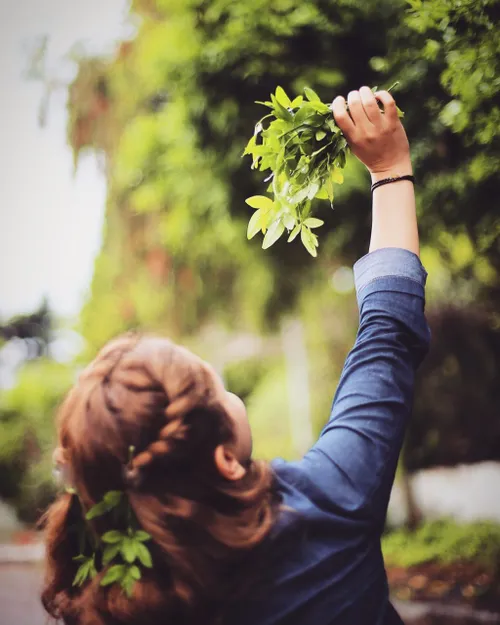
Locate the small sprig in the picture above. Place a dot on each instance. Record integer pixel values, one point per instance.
(130, 546)
(121, 552)
(86, 570)
(306, 153)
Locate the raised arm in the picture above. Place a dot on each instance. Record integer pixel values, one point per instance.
(352, 465)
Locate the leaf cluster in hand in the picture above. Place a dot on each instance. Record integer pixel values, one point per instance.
(299, 142)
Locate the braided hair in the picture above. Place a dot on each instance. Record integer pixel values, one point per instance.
(158, 397)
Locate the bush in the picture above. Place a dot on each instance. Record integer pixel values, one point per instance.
(27, 435)
(455, 416)
(445, 542)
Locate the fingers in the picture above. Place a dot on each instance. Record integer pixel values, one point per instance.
(356, 110)
(342, 117)
(390, 110)
(370, 106)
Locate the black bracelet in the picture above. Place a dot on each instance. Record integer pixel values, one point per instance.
(379, 183)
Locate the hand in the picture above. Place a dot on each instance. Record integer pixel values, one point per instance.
(377, 138)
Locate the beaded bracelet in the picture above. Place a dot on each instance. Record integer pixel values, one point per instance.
(379, 183)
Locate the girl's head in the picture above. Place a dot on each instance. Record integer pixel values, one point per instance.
(191, 484)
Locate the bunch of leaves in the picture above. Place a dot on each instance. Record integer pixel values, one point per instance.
(121, 552)
(306, 152)
(130, 547)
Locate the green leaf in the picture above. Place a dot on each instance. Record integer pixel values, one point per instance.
(128, 549)
(302, 114)
(297, 101)
(97, 510)
(311, 95)
(113, 574)
(322, 194)
(288, 220)
(112, 498)
(254, 225)
(250, 145)
(312, 189)
(134, 572)
(300, 196)
(110, 552)
(280, 111)
(341, 159)
(260, 201)
(114, 536)
(312, 222)
(320, 107)
(128, 584)
(337, 176)
(320, 134)
(308, 241)
(142, 536)
(282, 97)
(329, 189)
(81, 575)
(294, 233)
(144, 555)
(276, 229)
(80, 558)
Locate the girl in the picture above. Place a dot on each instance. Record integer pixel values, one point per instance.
(167, 517)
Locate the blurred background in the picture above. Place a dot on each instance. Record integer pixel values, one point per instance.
(122, 192)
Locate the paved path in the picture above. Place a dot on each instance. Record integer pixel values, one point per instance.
(19, 595)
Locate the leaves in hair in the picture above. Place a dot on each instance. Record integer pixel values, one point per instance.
(305, 151)
(86, 570)
(120, 551)
(130, 546)
(110, 500)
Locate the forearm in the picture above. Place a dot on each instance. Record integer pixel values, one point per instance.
(394, 219)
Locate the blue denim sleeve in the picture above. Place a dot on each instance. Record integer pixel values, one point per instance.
(352, 466)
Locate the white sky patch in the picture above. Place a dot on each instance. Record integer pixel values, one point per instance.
(50, 220)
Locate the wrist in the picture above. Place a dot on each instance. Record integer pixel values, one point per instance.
(402, 169)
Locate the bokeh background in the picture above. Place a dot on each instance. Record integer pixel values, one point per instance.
(122, 188)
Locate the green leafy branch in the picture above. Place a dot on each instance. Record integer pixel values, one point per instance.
(120, 551)
(130, 546)
(306, 152)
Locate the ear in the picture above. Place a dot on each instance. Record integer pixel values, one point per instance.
(227, 464)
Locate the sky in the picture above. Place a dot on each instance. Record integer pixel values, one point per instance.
(50, 218)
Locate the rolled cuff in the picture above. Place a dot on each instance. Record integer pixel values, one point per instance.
(385, 262)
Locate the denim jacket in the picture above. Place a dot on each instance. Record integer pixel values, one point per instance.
(327, 567)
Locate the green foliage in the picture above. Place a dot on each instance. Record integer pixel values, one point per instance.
(268, 414)
(128, 546)
(304, 150)
(87, 569)
(443, 541)
(448, 61)
(174, 126)
(172, 122)
(27, 434)
(457, 393)
(110, 500)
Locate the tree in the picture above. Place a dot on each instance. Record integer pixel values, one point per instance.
(33, 329)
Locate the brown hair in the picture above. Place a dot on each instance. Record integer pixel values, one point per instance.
(158, 397)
